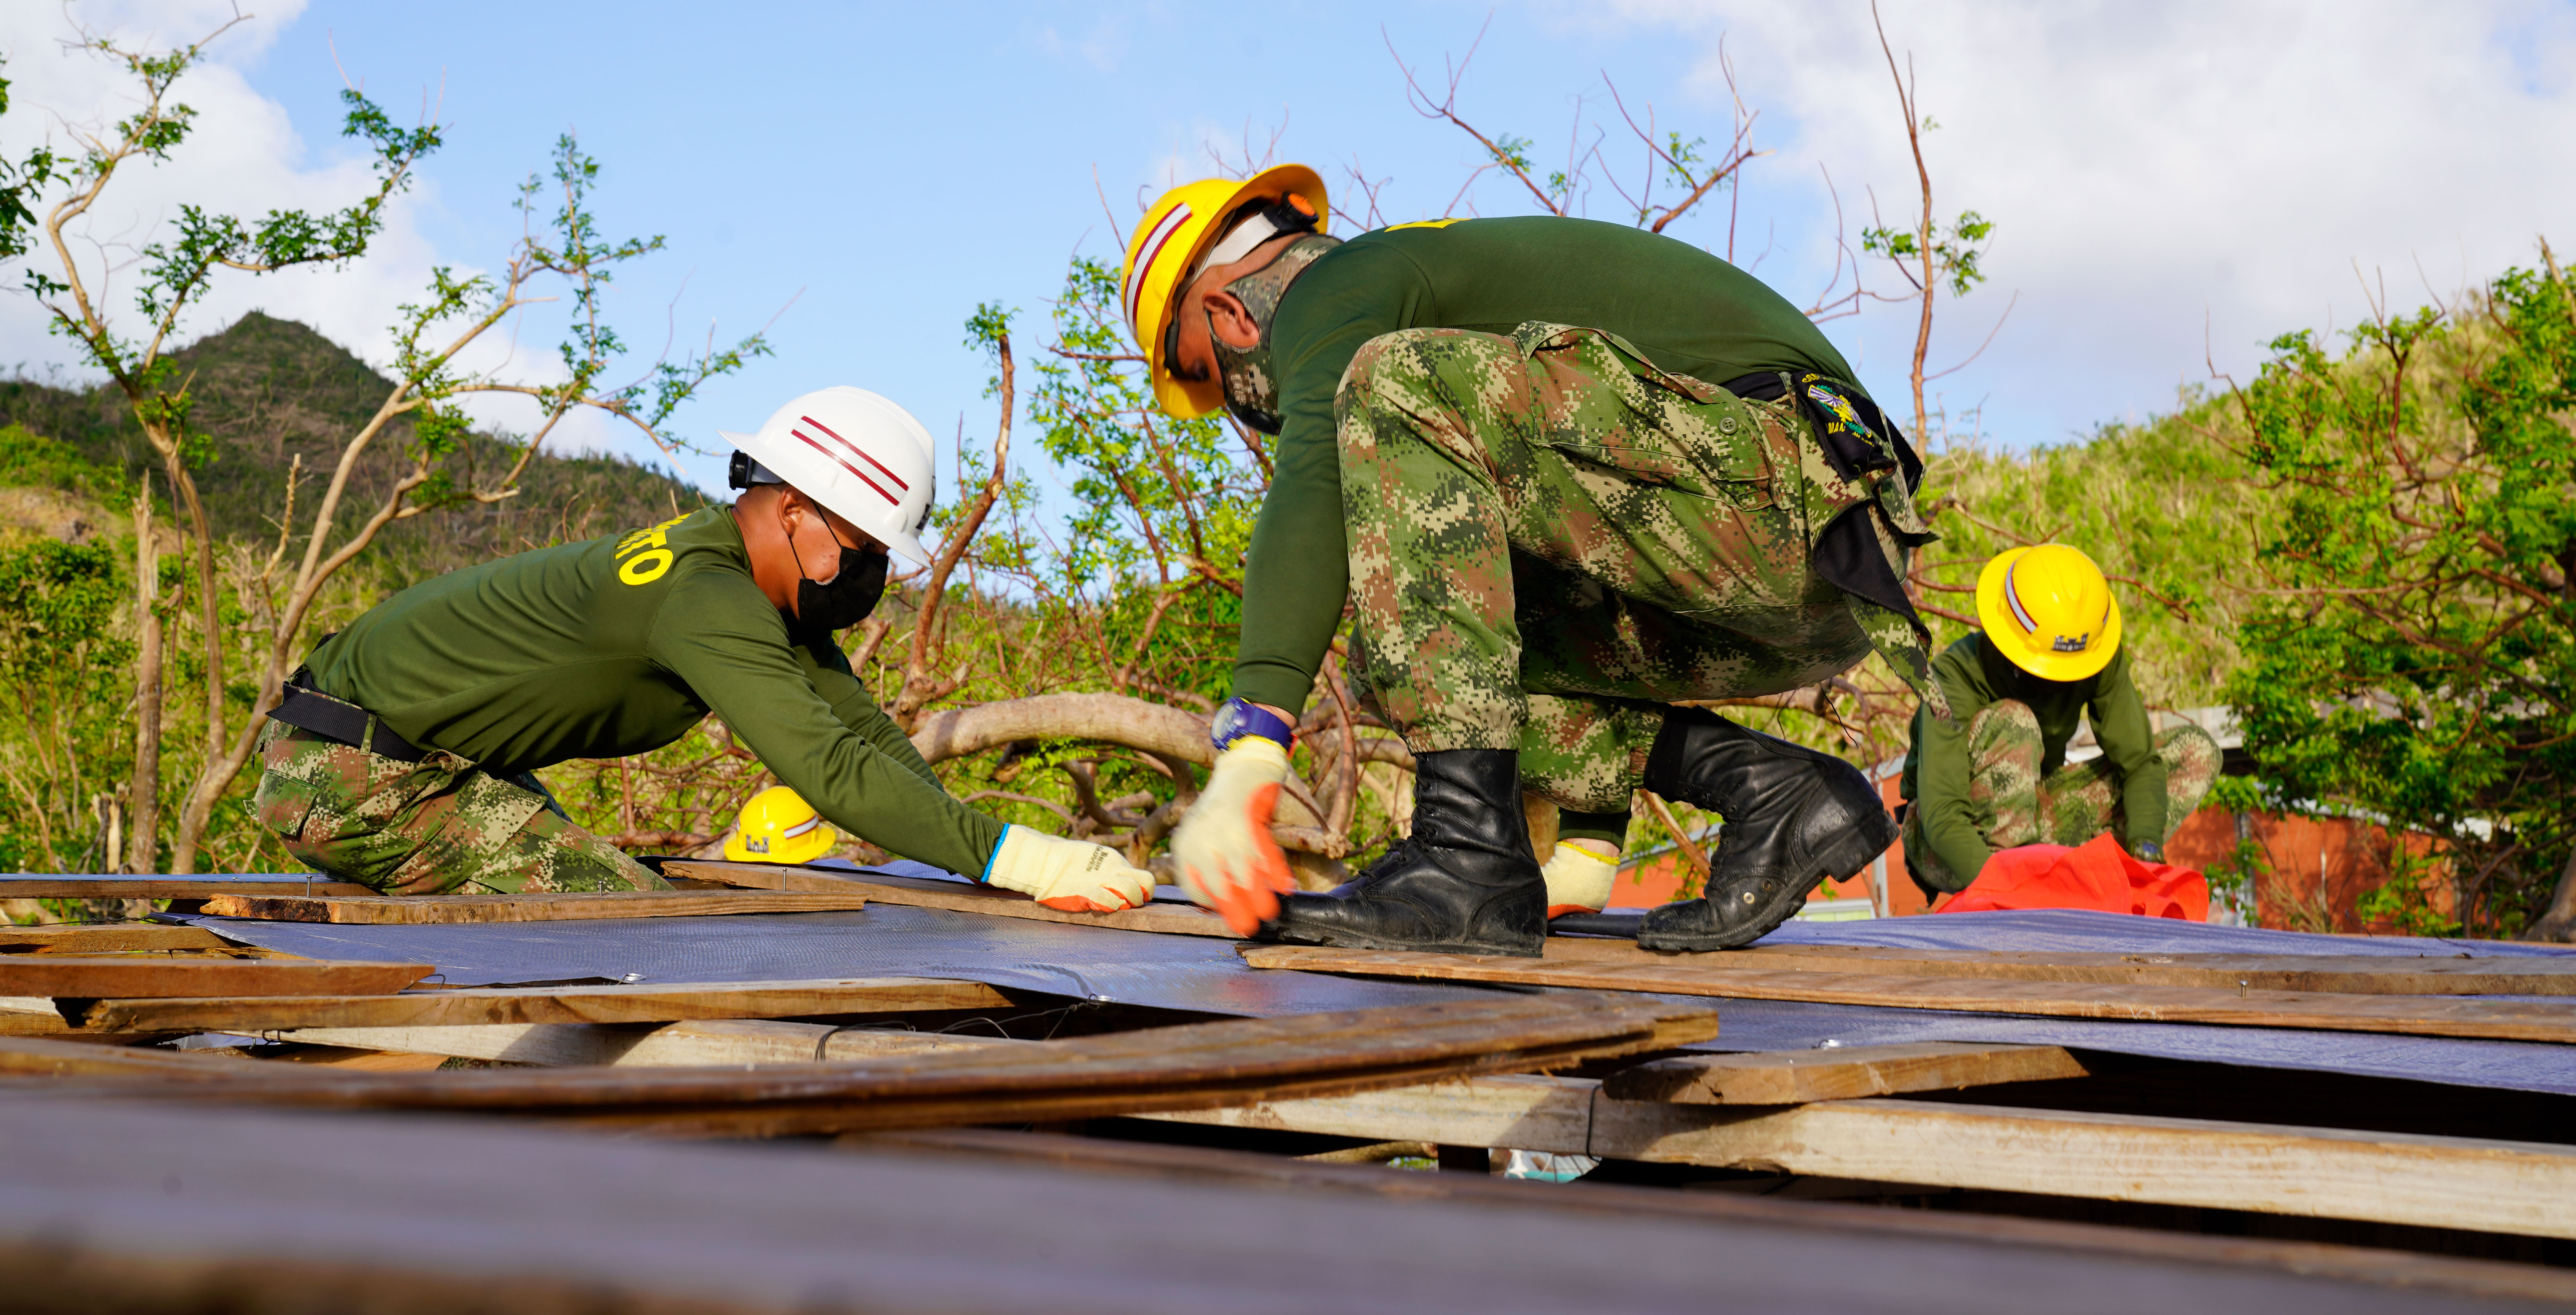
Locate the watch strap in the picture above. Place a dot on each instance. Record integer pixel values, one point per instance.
(1240, 717)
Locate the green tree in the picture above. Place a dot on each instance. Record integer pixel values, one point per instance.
(257, 614)
(2414, 655)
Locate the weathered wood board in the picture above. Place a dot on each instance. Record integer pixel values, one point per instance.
(1793, 1077)
(725, 1042)
(2352, 974)
(2408, 1015)
(1195, 1066)
(107, 938)
(527, 908)
(272, 1210)
(1178, 919)
(38, 1057)
(644, 1002)
(158, 975)
(2439, 1182)
(33, 885)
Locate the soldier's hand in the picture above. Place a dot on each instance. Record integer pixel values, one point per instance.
(1223, 850)
(2147, 851)
(1076, 876)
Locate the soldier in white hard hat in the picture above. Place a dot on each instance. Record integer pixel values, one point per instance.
(403, 755)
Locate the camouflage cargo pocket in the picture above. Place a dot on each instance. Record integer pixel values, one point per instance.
(283, 803)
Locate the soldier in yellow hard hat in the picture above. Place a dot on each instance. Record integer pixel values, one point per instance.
(778, 826)
(1568, 476)
(2047, 655)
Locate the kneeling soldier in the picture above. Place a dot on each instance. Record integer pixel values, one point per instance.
(1570, 475)
(403, 756)
(1994, 775)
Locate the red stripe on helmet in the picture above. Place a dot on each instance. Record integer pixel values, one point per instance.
(863, 475)
(863, 452)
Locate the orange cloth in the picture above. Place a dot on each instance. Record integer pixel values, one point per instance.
(2097, 875)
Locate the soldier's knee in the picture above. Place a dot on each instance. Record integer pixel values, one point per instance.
(2188, 746)
(2005, 719)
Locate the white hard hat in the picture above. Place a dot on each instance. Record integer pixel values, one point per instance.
(856, 453)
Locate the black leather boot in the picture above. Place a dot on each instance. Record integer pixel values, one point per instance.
(1465, 882)
(1793, 818)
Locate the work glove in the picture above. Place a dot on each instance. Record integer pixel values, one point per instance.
(1578, 877)
(1076, 876)
(2147, 851)
(1223, 850)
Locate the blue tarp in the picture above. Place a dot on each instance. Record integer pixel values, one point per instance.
(1206, 975)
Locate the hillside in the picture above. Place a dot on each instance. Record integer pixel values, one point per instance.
(270, 390)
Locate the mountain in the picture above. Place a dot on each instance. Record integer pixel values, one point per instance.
(267, 391)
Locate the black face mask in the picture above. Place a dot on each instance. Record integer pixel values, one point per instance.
(850, 596)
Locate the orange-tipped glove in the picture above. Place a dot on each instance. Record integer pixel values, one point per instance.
(1223, 850)
(1579, 877)
(1076, 876)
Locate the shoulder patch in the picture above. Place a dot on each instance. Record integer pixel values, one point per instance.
(650, 554)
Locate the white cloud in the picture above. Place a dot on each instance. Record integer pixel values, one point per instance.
(242, 156)
(2160, 171)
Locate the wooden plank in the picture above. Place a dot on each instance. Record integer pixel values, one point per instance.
(37, 1057)
(1326, 1173)
(2351, 974)
(35, 885)
(263, 1210)
(725, 1042)
(643, 1002)
(1198, 1065)
(1792, 1077)
(161, 976)
(2437, 1182)
(1161, 916)
(2408, 1015)
(107, 938)
(380, 909)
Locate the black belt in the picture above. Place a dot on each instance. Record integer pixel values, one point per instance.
(306, 708)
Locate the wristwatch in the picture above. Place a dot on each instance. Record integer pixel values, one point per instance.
(2147, 851)
(1240, 717)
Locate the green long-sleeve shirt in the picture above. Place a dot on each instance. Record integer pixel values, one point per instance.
(618, 646)
(1975, 677)
(1688, 311)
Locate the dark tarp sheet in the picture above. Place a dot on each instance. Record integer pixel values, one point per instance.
(1204, 974)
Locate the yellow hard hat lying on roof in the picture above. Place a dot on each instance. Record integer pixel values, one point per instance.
(2049, 611)
(778, 826)
(1165, 252)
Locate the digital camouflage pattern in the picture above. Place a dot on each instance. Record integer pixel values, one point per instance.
(1550, 538)
(2015, 805)
(439, 826)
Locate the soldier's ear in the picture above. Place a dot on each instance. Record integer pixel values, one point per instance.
(1230, 319)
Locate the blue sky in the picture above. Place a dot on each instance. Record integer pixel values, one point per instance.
(2172, 187)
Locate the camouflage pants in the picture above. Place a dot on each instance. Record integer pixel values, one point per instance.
(2067, 807)
(434, 827)
(1551, 539)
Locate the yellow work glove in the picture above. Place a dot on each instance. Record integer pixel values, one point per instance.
(1579, 877)
(1076, 876)
(1223, 850)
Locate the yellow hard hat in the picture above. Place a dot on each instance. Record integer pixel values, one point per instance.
(2049, 611)
(1166, 246)
(777, 826)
